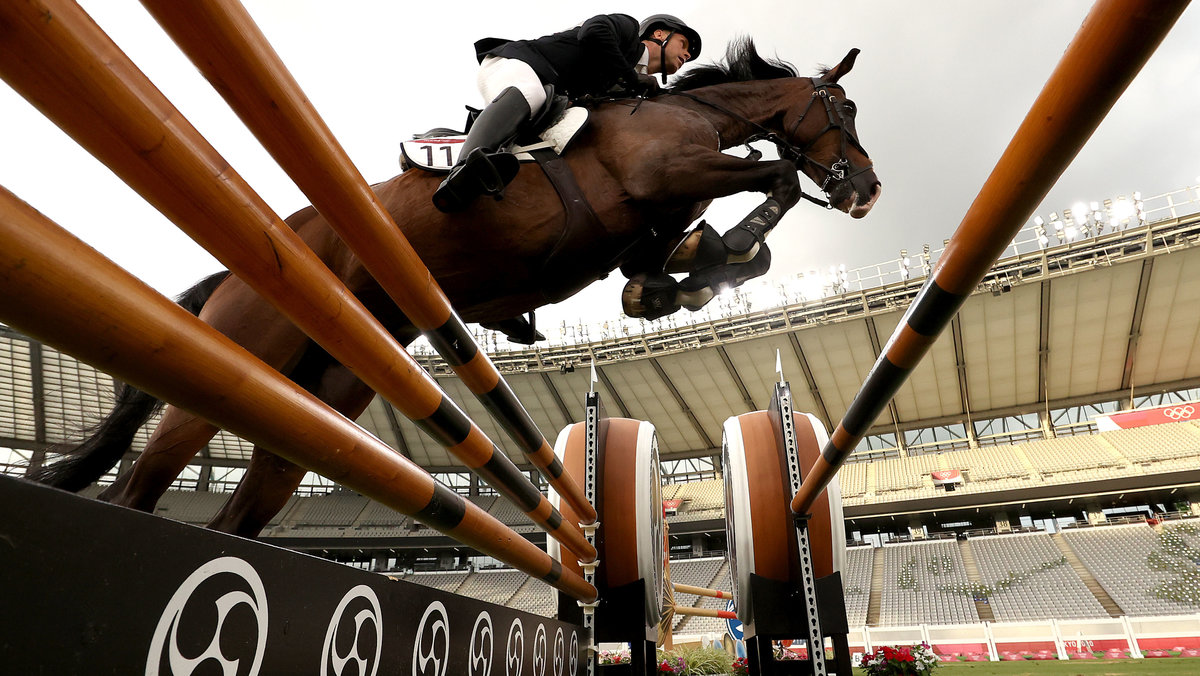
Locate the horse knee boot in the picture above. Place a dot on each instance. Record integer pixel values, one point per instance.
(483, 168)
(650, 296)
(743, 237)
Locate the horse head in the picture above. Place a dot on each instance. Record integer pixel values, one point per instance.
(825, 143)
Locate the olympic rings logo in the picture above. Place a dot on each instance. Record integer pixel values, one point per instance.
(1180, 412)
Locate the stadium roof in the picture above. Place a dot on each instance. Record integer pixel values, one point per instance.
(1091, 320)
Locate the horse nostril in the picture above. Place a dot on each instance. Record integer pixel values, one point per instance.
(875, 189)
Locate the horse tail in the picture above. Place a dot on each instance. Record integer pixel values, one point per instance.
(85, 461)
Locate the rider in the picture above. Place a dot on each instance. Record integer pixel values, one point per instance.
(603, 51)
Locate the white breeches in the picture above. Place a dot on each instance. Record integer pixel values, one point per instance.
(497, 74)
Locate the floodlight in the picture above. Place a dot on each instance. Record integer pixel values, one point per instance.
(1037, 220)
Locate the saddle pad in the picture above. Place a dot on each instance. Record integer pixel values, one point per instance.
(438, 154)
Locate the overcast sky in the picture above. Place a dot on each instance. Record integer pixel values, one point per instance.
(941, 87)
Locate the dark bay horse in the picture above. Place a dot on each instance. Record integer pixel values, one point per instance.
(647, 168)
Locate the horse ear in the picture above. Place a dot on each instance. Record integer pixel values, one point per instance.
(842, 68)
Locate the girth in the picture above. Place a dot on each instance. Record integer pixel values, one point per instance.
(581, 236)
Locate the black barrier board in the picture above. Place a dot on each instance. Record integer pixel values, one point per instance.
(90, 588)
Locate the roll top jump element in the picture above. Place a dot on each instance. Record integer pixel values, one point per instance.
(785, 569)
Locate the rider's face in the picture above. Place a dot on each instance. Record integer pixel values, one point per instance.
(675, 54)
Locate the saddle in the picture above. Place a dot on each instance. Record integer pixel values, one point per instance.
(544, 141)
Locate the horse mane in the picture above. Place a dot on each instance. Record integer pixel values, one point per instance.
(742, 63)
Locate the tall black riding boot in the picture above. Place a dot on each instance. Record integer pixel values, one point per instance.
(481, 168)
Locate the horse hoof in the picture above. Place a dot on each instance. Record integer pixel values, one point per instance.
(650, 296)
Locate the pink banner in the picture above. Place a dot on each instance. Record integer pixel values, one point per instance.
(946, 476)
(1148, 416)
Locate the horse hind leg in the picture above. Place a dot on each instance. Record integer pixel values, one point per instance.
(271, 480)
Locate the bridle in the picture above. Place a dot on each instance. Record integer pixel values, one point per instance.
(836, 118)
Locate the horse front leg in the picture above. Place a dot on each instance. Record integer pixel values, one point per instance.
(716, 262)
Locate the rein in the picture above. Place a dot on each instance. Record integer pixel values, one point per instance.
(837, 120)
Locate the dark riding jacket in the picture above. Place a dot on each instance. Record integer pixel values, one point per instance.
(585, 60)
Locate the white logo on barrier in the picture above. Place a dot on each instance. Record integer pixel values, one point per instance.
(482, 645)
(539, 651)
(166, 634)
(1180, 412)
(438, 652)
(573, 657)
(373, 615)
(514, 650)
(560, 647)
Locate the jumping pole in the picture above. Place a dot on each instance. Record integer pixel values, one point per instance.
(61, 61)
(97, 312)
(1112, 45)
(223, 41)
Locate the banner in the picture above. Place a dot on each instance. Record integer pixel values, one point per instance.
(672, 506)
(1142, 417)
(941, 477)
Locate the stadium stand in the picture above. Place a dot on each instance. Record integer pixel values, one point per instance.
(1146, 572)
(445, 581)
(856, 583)
(919, 585)
(493, 586)
(1029, 579)
(1160, 447)
(535, 597)
(852, 480)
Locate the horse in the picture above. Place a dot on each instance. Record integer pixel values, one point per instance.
(648, 168)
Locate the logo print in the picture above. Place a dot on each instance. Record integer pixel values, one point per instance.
(1180, 412)
(539, 651)
(482, 645)
(362, 605)
(428, 648)
(560, 647)
(247, 591)
(514, 650)
(573, 657)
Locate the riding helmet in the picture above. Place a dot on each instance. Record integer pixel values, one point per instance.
(674, 25)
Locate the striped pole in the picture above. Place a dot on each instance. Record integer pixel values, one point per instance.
(701, 591)
(59, 59)
(1112, 45)
(705, 612)
(55, 288)
(229, 48)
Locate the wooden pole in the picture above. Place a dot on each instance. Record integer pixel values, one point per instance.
(701, 591)
(223, 41)
(58, 290)
(59, 59)
(1112, 45)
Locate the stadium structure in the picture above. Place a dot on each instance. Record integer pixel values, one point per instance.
(1032, 490)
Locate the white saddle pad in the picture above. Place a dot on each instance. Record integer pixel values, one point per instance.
(439, 154)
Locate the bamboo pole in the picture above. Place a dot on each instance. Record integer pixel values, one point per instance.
(701, 591)
(1112, 45)
(58, 290)
(223, 41)
(61, 61)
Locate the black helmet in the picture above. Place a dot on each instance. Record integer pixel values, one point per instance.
(674, 25)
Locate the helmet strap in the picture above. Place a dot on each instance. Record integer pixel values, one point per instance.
(662, 55)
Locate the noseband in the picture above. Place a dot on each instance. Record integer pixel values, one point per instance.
(836, 119)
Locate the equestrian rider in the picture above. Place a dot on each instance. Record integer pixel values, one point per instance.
(605, 50)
